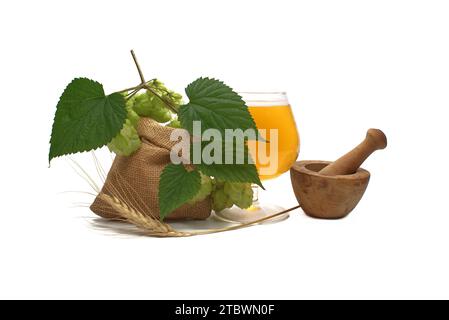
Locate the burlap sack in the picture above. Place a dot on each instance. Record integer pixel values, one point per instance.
(136, 177)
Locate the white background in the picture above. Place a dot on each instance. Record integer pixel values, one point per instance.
(346, 65)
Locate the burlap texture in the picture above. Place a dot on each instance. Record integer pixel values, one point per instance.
(136, 178)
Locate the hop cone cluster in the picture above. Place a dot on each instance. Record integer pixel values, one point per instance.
(145, 104)
(227, 194)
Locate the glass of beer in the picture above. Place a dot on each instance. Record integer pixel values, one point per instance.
(274, 118)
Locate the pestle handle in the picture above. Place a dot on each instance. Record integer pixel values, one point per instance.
(350, 162)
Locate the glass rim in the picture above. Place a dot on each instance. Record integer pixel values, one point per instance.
(263, 92)
(264, 98)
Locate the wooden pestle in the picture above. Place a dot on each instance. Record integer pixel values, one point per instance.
(350, 162)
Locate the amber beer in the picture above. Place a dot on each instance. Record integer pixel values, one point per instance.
(285, 141)
(274, 156)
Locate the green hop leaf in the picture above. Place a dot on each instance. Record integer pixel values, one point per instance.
(176, 187)
(234, 172)
(216, 105)
(85, 118)
(231, 172)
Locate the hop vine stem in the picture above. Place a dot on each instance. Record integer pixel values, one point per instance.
(146, 85)
(142, 78)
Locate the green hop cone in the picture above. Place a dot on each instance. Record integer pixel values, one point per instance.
(158, 86)
(148, 105)
(205, 189)
(132, 116)
(174, 124)
(246, 199)
(220, 200)
(162, 90)
(241, 194)
(174, 98)
(127, 141)
(139, 103)
(218, 184)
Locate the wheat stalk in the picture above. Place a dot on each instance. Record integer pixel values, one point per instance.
(156, 228)
(149, 224)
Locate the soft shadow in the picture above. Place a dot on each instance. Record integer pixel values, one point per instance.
(194, 225)
(113, 227)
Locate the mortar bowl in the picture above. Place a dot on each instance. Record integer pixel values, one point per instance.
(327, 197)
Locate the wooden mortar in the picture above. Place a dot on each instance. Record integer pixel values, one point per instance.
(331, 190)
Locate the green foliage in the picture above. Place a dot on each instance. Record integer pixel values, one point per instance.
(85, 118)
(234, 172)
(176, 187)
(216, 105)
